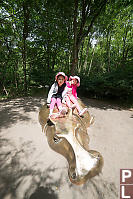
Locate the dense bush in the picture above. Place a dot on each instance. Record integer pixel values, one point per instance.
(117, 84)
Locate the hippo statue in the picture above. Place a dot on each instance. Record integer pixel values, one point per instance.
(68, 136)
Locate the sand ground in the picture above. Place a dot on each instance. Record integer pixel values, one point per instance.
(29, 169)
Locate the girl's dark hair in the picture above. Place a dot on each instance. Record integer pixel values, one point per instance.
(60, 76)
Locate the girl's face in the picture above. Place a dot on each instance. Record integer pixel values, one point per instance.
(60, 80)
(74, 81)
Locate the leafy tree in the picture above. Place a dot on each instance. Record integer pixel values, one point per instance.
(89, 38)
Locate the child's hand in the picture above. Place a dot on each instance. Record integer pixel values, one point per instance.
(70, 82)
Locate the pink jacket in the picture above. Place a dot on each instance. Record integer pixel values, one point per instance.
(74, 89)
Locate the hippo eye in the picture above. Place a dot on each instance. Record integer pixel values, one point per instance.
(56, 139)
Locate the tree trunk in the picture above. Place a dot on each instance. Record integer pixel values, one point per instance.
(75, 45)
(25, 35)
(86, 58)
(6, 92)
(108, 52)
(91, 62)
(16, 74)
(30, 69)
(24, 65)
(88, 10)
(75, 60)
(125, 51)
(81, 53)
(48, 55)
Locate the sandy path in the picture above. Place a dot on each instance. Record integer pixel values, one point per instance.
(29, 169)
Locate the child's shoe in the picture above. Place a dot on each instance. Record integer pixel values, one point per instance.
(82, 111)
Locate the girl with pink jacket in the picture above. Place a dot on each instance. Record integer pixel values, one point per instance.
(71, 94)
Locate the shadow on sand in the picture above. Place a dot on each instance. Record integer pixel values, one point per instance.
(17, 110)
(20, 178)
(43, 192)
(99, 104)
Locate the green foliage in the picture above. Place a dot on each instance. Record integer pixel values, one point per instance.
(105, 68)
(117, 84)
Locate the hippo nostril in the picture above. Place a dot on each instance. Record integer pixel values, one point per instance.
(98, 156)
(73, 176)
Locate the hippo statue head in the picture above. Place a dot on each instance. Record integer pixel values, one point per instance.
(68, 136)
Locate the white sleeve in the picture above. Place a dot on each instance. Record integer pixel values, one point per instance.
(50, 93)
(64, 92)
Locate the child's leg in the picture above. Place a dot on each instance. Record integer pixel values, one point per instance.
(52, 104)
(68, 103)
(59, 105)
(80, 112)
(74, 100)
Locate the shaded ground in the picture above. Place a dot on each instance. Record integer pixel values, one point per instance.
(29, 169)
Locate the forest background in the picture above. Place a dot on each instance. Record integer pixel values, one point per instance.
(89, 38)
